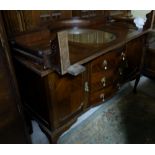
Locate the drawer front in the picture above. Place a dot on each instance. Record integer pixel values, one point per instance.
(106, 62)
(106, 70)
(102, 80)
(105, 74)
(101, 95)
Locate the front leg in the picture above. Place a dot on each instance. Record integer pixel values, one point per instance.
(136, 83)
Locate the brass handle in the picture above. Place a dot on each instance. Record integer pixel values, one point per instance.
(105, 64)
(120, 71)
(126, 64)
(103, 81)
(2, 41)
(123, 56)
(102, 96)
(118, 85)
(86, 87)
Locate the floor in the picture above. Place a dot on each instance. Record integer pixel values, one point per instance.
(146, 85)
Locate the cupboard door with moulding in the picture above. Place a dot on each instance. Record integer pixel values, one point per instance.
(133, 57)
(66, 97)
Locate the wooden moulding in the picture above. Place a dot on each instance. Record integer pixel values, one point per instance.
(60, 58)
(64, 51)
(60, 53)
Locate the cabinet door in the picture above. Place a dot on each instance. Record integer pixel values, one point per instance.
(12, 128)
(67, 94)
(133, 57)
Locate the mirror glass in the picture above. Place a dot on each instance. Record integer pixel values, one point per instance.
(90, 36)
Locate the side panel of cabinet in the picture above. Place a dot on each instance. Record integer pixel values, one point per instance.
(33, 95)
(67, 97)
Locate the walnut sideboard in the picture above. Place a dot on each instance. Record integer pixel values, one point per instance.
(55, 100)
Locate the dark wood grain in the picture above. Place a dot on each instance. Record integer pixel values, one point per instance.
(149, 62)
(66, 95)
(133, 56)
(12, 125)
(56, 101)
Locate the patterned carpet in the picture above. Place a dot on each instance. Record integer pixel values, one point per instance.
(127, 119)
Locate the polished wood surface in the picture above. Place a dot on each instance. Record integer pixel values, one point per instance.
(102, 94)
(66, 95)
(20, 21)
(88, 13)
(133, 55)
(52, 100)
(55, 100)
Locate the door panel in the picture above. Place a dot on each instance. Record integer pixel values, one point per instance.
(67, 96)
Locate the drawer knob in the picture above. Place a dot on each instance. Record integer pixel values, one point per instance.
(120, 71)
(102, 96)
(123, 56)
(126, 64)
(86, 87)
(118, 85)
(105, 64)
(103, 81)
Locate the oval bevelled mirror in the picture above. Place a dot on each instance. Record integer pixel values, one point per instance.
(90, 36)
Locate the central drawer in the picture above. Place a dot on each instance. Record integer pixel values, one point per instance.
(105, 70)
(105, 73)
(106, 62)
(102, 80)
